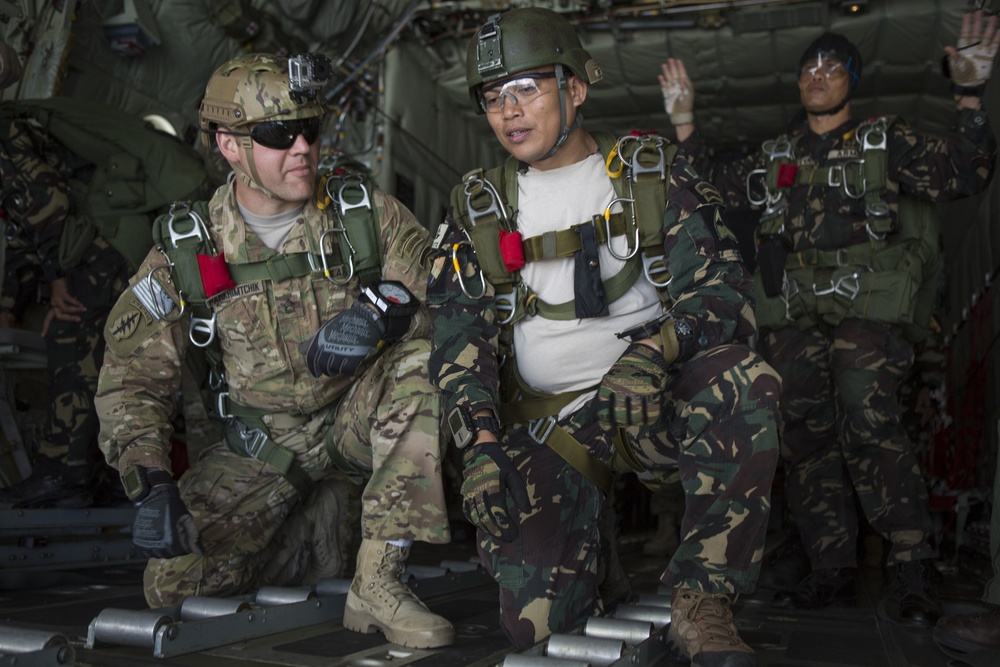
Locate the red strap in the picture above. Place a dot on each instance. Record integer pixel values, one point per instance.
(215, 276)
(512, 250)
(786, 174)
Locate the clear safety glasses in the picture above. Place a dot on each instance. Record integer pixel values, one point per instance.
(830, 68)
(281, 134)
(521, 91)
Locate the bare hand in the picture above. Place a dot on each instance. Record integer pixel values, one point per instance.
(63, 306)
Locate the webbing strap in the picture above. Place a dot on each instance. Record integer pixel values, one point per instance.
(529, 409)
(278, 268)
(248, 436)
(573, 452)
(614, 288)
(566, 242)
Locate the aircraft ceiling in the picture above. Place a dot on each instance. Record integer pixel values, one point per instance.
(741, 54)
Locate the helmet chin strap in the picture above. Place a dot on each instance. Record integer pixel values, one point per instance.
(253, 180)
(832, 110)
(566, 129)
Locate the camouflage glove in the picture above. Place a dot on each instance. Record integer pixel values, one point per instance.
(632, 390)
(971, 64)
(678, 94)
(490, 478)
(345, 341)
(163, 527)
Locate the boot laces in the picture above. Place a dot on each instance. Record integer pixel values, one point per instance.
(915, 578)
(390, 574)
(713, 617)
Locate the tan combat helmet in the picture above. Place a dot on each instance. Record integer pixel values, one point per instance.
(260, 87)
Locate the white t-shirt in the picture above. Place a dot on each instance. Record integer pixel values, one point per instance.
(556, 356)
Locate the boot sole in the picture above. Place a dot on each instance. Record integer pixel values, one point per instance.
(363, 622)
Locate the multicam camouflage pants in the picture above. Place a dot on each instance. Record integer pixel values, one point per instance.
(387, 425)
(719, 428)
(75, 355)
(843, 439)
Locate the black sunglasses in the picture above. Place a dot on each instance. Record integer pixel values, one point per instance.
(281, 134)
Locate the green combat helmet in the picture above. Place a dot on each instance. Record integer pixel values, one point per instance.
(522, 39)
(261, 87)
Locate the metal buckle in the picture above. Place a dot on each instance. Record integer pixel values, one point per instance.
(505, 303)
(222, 403)
(203, 326)
(344, 205)
(541, 429)
(835, 176)
(777, 148)
(661, 164)
(253, 439)
(648, 264)
(767, 192)
(879, 129)
(493, 207)
(198, 229)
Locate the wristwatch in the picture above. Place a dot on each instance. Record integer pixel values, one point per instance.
(464, 427)
(391, 298)
(135, 484)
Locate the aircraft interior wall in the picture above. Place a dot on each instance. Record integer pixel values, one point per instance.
(970, 320)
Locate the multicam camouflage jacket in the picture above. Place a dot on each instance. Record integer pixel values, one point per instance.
(260, 325)
(818, 216)
(710, 290)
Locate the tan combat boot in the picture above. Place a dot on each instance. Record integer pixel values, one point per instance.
(379, 600)
(702, 630)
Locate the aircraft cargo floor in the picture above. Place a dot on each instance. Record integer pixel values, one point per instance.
(70, 604)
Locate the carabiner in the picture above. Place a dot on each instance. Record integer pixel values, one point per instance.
(350, 255)
(458, 272)
(607, 163)
(864, 181)
(634, 244)
(180, 295)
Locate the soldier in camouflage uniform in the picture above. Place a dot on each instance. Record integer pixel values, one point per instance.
(544, 406)
(36, 172)
(846, 276)
(325, 376)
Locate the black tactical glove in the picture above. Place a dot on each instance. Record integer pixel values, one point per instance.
(632, 390)
(345, 341)
(490, 477)
(382, 315)
(163, 527)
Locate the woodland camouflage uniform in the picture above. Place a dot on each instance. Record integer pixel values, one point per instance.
(843, 437)
(37, 174)
(718, 427)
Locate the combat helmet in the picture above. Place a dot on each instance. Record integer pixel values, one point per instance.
(831, 44)
(522, 39)
(259, 87)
